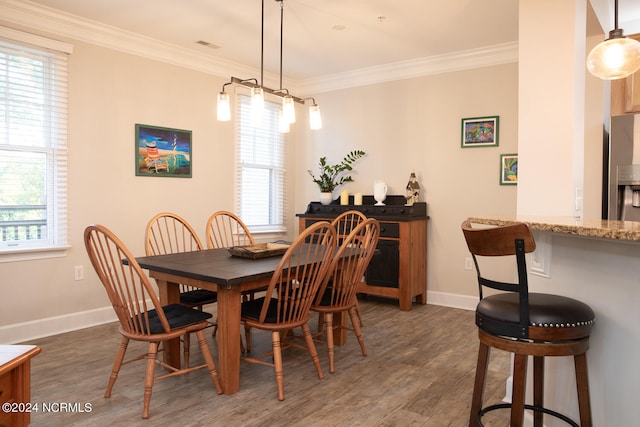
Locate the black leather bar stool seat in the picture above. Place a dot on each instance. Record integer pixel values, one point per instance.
(525, 324)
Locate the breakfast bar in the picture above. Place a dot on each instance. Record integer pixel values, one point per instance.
(597, 262)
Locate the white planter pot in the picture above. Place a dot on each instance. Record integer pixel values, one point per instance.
(326, 198)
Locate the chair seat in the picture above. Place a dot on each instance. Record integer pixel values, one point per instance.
(546, 311)
(198, 297)
(178, 316)
(251, 310)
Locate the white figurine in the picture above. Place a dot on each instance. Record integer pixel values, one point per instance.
(413, 190)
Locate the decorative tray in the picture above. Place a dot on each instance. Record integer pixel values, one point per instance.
(259, 250)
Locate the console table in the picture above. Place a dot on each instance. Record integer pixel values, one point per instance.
(15, 383)
(399, 269)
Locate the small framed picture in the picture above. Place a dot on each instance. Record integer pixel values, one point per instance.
(508, 169)
(480, 132)
(163, 151)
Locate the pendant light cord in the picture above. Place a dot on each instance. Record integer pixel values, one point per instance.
(262, 47)
(281, 38)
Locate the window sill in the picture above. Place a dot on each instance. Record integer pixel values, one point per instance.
(29, 254)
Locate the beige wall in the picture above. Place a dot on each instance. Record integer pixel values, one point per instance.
(403, 126)
(109, 93)
(416, 125)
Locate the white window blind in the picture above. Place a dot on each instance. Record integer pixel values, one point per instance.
(33, 148)
(260, 196)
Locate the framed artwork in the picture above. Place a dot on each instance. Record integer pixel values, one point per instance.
(163, 151)
(480, 132)
(508, 169)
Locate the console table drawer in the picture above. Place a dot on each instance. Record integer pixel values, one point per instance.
(390, 230)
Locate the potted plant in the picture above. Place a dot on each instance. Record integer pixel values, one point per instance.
(331, 176)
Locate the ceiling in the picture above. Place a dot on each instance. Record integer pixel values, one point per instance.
(321, 37)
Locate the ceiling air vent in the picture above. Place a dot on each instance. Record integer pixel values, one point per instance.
(207, 44)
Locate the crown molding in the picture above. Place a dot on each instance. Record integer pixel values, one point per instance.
(37, 18)
(419, 67)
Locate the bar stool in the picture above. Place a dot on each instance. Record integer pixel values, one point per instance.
(526, 324)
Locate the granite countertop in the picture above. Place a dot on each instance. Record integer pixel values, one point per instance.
(596, 228)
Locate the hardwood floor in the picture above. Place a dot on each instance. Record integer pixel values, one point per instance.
(419, 371)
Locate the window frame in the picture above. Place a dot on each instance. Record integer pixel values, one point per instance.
(53, 125)
(267, 132)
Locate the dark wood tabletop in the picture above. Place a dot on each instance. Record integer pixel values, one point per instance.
(212, 265)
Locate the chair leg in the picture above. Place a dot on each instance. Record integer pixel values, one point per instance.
(206, 353)
(277, 363)
(358, 312)
(320, 324)
(538, 389)
(582, 380)
(478, 387)
(357, 330)
(328, 320)
(312, 349)
(116, 365)
(187, 346)
(519, 387)
(247, 338)
(215, 329)
(149, 377)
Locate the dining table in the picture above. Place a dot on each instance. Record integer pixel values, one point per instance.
(230, 276)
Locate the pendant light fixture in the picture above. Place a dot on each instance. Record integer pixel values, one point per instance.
(258, 90)
(315, 120)
(617, 57)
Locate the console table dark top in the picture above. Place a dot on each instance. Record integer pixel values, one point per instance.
(394, 209)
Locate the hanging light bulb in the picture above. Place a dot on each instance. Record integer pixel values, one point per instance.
(257, 106)
(315, 119)
(224, 107)
(615, 58)
(288, 109)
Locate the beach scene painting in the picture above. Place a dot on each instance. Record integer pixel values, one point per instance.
(163, 151)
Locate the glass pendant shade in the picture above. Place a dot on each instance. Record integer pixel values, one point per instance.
(315, 119)
(615, 58)
(224, 107)
(288, 109)
(257, 106)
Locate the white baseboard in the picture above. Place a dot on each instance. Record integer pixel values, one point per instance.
(34, 329)
(445, 299)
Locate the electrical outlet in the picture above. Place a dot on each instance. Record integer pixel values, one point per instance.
(78, 272)
(468, 263)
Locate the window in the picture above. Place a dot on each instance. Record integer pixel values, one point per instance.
(33, 148)
(260, 200)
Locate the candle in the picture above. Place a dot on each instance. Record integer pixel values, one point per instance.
(357, 199)
(344, 197)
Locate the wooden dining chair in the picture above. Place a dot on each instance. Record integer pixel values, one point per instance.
(139, 312)
(338, 292)
(289, 296)
(344, 224)
(225, 229)
(168, 233)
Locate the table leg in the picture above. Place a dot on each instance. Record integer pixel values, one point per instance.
(169, 293)
(229, 306)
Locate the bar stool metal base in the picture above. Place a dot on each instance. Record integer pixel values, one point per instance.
(547, 411)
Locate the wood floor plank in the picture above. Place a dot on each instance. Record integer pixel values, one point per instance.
(418, 372)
